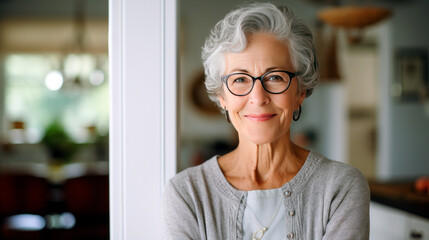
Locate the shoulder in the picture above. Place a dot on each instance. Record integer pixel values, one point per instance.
(194, 175)
(191, 182)
(182, 201)
(335, 170)
(337, 175)
(346, 197)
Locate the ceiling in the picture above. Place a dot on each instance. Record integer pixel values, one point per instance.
(52, 8)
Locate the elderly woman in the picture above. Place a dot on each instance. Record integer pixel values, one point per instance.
(260, 65)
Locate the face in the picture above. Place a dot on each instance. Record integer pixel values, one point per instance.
(261, 117)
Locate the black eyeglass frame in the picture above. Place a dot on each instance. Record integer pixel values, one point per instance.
(291, 75)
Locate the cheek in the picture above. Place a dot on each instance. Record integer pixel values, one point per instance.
(287, 105)
(233, 103)
(292, 99)
(236, 107)
(287, 114)
(285, 101)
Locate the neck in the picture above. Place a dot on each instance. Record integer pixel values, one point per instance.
(263, 166)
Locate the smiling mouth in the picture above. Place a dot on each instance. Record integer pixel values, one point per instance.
(260, 117)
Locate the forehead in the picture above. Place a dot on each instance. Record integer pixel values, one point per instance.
(263, 51)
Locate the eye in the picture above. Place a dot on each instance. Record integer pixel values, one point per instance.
(274, 78)
(240, 79)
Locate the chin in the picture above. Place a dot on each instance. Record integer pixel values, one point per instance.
(264, 137)
(260, 140)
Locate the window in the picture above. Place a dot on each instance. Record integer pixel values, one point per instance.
(80, 106)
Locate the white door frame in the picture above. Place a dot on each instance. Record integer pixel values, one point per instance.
(143, 106)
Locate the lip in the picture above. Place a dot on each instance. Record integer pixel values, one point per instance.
(260, 117)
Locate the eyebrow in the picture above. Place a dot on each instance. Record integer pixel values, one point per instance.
(245, 71)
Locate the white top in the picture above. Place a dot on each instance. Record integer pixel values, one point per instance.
(262, 205)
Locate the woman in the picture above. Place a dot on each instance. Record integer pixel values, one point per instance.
(260, 64)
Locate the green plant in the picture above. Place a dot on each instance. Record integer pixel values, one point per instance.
(58, 142)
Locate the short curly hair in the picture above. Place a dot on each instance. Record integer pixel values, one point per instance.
(229, 35)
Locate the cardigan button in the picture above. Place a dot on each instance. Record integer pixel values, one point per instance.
(292, 213)
(287, 193)
(291, 235)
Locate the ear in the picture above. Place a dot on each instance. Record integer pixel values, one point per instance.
(301, 97)
(221, 100)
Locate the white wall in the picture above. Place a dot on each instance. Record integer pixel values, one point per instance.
(325, 112)
(403, 127)
(142, 51)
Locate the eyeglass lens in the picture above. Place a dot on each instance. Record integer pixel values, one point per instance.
(273, 82)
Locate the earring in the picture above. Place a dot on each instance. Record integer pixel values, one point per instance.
(295, 118)
(227, 115)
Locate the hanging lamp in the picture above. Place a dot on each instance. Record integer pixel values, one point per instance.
(353, 19)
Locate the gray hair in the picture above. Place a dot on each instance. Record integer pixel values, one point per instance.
(229, 35)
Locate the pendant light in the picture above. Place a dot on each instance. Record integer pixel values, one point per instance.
(353, 19)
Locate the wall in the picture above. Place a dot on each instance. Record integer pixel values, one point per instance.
(404, 127)
(324, 114)
(196, 19)
(196, 128)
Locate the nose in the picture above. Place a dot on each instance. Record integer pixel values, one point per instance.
(258, 95)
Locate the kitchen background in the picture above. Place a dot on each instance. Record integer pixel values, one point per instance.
(54, 119)
(371, 110)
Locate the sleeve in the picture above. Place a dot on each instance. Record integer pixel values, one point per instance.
(179, 220)
(349, 215)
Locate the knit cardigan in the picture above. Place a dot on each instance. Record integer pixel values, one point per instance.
(330, 200)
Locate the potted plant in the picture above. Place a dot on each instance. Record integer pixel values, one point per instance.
(58, 143)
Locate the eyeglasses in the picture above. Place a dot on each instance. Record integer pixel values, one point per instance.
(275, 82)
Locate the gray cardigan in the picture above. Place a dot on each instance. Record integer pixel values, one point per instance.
(330, 200)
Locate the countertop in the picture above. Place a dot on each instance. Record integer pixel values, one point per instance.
(400, 195)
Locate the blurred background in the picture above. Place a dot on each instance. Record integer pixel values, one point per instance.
(370, 109)
(54, 119)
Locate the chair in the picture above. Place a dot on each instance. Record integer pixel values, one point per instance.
(87, 198)
(22, 194)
